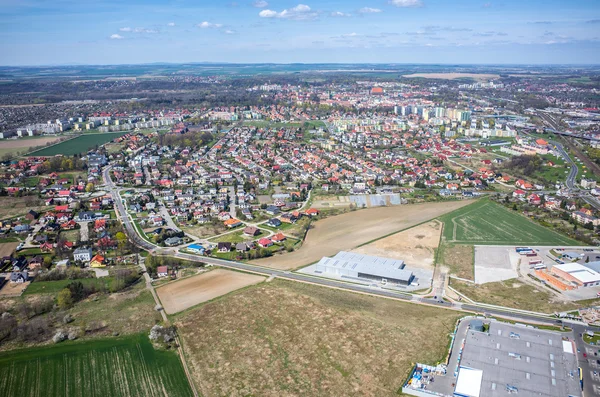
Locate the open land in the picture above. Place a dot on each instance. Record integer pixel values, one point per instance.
(80, 144)
(23, 145)
(452, 76)
(344, 232)
(189, 292)
(15, 206)
(458, 259)
(487, 223)
(289, 339)
(127, 366)
(11, 289)
(415, 246)
(519, 295)
(7, 249)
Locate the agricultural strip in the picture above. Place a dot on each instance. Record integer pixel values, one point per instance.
(292, 339)
(78, 145)
(127, 366)
(487, 223)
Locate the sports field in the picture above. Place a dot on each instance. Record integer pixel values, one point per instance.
(127, 366)
(78, 145)
(487, 223)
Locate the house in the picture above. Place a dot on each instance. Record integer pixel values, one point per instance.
(24, 228)
(272, 210)
(82, 254)
(35, 262)
(157, 221)
(584, 218)
(40, 238)
(312, 212)
(251, 231)
(274, 222)
(224, 247)
(162, 271)
(523, 185)
(85, 216)
(231, 223)
(31, 215)
(47, 247)
(278, 238)
(265, 242)
(63, 264)
(173, 241)
(19, 277)
(241, 247)
(519, 193)
(97, 261)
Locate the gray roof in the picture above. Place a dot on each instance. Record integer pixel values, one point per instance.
(367, 264)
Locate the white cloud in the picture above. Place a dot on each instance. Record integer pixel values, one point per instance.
(116, 37)
(299, 13)
(369, 10)
(339, 14)
(138, 30)
(260, 4)
(125, 29)
(407, 3)
(209, 25)
(171, 24)
(267, 14)
(230, 31)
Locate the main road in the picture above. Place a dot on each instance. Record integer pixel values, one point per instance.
(511, 313)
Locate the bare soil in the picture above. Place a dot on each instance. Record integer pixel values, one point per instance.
(15, 206)
(458, 259)
(184, 294)
(347, 231)
(12, 289)
(415, 246)
(6, 249)
(26, 143)
(293, 339)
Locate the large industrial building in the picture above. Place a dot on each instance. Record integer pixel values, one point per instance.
(579, 275)
(500, 359)
(353, 265)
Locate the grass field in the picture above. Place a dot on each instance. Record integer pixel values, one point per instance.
(127, 366)
(292, 339)
(54, 287)
(517, 294)
(488, 223)
(78, 145)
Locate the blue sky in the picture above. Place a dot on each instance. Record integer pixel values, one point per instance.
(43, 32)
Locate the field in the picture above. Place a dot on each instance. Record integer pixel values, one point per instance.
(488, 223)
(452, 76)
(7, 249)
(78, 145)
(517, 294)
(292, 339)
(347, 231)
(458, 259)
(127, 366)
(189, 292)
(54, 287)
(22, 145)
(415, 246)
(16, 206)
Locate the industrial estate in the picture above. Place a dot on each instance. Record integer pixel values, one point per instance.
(332, 229)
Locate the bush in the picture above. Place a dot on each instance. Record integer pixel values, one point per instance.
(64, 300)
(72, 273)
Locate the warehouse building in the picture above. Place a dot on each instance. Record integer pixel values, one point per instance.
(576, 274)
(353, 265)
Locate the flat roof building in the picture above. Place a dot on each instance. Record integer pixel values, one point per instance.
(577, 274)
(353, 265)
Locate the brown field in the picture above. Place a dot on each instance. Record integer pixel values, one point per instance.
(293, 339)
(349, 230)
(22, 145)
(203, 231)
(6, 249)
(459, 259)
(415, 246)
(11, 289)
(189, 292)
(15, 206)
(452, 76)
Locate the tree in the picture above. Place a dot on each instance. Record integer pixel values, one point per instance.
(64, 299)
(89, 187)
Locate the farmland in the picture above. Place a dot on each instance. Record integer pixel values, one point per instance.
(23, 145)
(488, 223)
(78, 145)
(126, 366)
(184, 294)
(343, 232)
(285, 338)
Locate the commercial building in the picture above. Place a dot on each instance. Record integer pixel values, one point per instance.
(353, 265)
(577, 274)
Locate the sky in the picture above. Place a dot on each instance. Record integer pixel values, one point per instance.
(63, 32)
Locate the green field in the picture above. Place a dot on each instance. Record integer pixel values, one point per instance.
(78, 145)
(54, 287)
(487, 223)
(127, 366)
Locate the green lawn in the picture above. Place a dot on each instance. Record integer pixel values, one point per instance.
(487, 223)
(54, 287)
(237, 237)
(127, 366)
(78, 145)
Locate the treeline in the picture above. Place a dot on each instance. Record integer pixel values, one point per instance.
(189, 139)
(526, 165)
